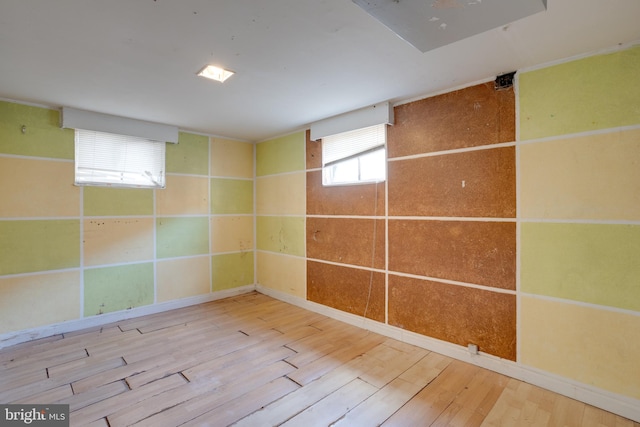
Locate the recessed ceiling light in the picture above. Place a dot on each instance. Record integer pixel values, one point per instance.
(215, 73)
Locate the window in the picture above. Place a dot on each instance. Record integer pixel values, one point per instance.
(118, 160)
(355, 156)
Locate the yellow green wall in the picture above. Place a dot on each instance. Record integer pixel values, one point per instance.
(69, 253)
(579, 211)
(280, 214)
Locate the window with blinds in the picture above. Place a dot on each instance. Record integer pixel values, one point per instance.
(355, 156)
(118, 160)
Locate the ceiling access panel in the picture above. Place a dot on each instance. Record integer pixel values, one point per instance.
(430, 24)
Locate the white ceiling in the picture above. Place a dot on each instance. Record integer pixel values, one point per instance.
(297, 61)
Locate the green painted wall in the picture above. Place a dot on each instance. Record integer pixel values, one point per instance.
(104, 201)
(42, 137)
(231, 196)
(594, 263)
(30, 246)
(282, 234)
(117, 288)
(190, 155)
(593, 93)
(178, 237)
(231, 270)
(280, 155)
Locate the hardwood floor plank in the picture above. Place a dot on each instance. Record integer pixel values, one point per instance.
(223, 361)
(131, 398)
(234, 366)
(381, 405)
(190, 341)
(426, 370)
(520, 403)
(99, 331)
(286, 319)
(119, 373)
(57, 394)
(50, 383)
(567, 412)
(43, 360)
(201, 391)
(102, 422)
(85, 367)
(185, 320)
(474, 402)
(27, 347)
(395, 394)
(392, 364)
(333, 406)
(96, 394)
(21, 378)
(244, 405)
(429, 403)
(128, 340)
(594, 417)
(331, 337)
(251, 360)
(78, 341)
(330, 361)
(179, 362)
(228, 391)
(299, 400)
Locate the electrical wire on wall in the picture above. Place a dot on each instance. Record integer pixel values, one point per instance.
(373, 250)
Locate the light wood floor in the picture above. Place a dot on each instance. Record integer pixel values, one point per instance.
(255, 361)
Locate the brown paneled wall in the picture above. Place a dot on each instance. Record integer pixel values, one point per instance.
(471, 117)
(481, 253)
(471, 184)
(443, 242)
(351, 241)
(453, 313)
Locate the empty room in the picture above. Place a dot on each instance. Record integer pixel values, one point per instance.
(320, 213)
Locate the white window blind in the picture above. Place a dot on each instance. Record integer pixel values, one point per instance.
(118, 160)
(352, 143)
(355, 156)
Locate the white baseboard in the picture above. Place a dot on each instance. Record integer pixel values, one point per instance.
(18, 337)
(618, 404)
